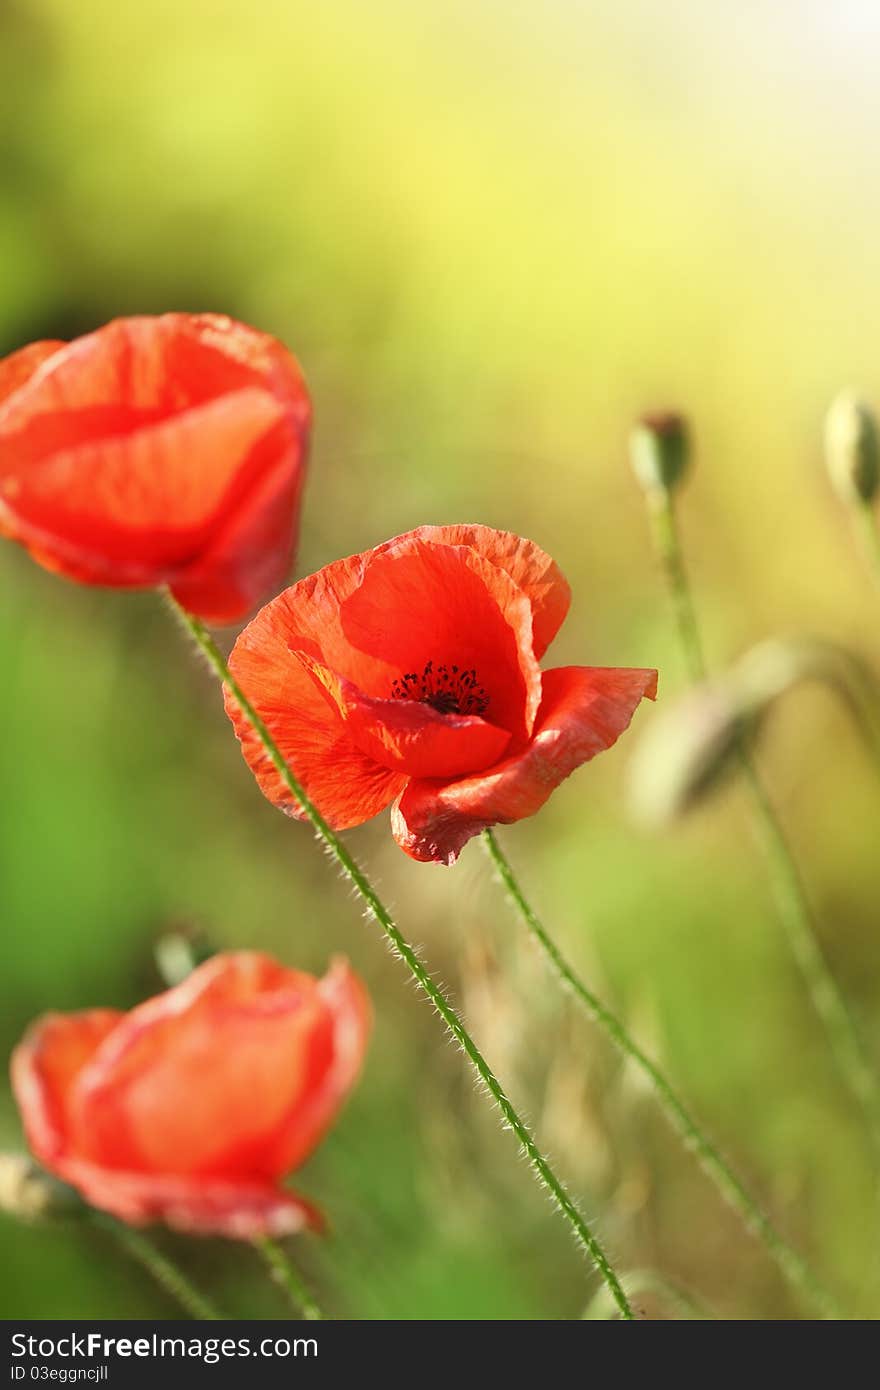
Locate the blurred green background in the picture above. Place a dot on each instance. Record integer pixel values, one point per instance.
(493, 233)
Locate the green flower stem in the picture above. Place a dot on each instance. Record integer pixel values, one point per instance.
(166, 1274)
(729, 1185)
(798, 921)
(855, 684)
(289, 1279)
(356, 876)
(793, 903)
(868, 528)
(664, 531)
(642, 1281)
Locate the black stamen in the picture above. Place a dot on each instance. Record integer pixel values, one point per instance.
(455, 693)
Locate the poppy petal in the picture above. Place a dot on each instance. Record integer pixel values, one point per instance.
(584, 711)
(191, 1108)
(418, 602)
(372, 617)
(45, 1066)
(91, 499)
(19, 367)
(347, 1005)
(530, 568)
(196, 1206)
(410, 736)
(290, 1053)
(251, 553)
(155, 451)
(347, 786)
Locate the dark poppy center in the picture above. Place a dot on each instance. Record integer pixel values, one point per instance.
(447, 689)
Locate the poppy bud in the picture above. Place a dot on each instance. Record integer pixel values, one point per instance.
(852, 453)
(178, 951)
(29, 1193)
(659, 451)
(685, 753)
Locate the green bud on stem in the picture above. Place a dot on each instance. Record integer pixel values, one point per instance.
(659, 451)
(852, 451)
(178, 951)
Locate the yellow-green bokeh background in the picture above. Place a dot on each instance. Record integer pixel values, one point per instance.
(493, 232)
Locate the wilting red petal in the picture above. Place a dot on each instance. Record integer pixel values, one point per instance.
(156, 451)
(195, 1205)
(45, 1066)
(410, 736)
(584, 711)
(347, 785)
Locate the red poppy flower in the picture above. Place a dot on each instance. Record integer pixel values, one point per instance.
(409, 674)
(157, 451)
(191, 1108)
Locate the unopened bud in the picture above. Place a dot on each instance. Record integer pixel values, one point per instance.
(659, 451)
(851, 449)
(179, 950)
(684, 753)
(31, 1194)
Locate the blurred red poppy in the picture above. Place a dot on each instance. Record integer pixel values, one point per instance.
(191, 1108)
(157, 451)
(409, 674)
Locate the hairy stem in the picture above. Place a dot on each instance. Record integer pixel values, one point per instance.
(664, 531)
(166, 1274)
(351, 870)
(797, 918)
(714, 1164)
(788, 886)
(642, 1281)
(286, 1275)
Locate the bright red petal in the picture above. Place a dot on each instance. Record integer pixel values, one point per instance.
(461, 597)
(44, 1068)
(421, 602)
(251, 554)
(347, 786)
(157, 450)
(371, 617)
(347, 1006)
(134, 508)
(20, 366)
(530, 568)
(410, 736)
(213, 1077)
(584, 711)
